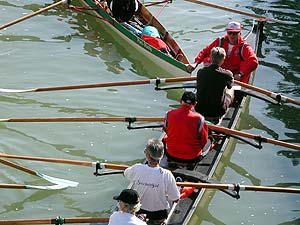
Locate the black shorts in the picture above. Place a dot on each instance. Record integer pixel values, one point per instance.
(154, 215)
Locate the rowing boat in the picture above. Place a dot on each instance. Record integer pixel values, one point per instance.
(128, 33)
(183, 212)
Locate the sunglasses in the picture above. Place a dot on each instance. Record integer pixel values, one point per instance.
(233, 33)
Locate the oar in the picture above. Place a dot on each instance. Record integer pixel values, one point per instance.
(33, 14)
(57, 220)
(36, 187)
(232, 187)
(60, 183)
(156, 81)
(241, 12)
(85, 119)
(65, 161)
(100, 85)
(276, 96)
(253, 136)
(151, 119)
(238, 187)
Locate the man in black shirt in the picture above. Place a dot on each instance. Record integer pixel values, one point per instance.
(214, 84)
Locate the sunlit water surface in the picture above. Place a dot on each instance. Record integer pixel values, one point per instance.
(62, 47)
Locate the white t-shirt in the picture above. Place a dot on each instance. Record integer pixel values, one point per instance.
(155, 186)
(123, 218)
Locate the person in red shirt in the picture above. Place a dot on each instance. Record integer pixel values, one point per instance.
(186, 131)
(240, 57)
(151, 35)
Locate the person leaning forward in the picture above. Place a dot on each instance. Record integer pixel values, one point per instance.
(240, 57)
(156, 186)
(214, 85)
(129, 204)
(186, 131)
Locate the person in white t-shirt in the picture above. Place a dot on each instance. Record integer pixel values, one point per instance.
(156, 186)
(129, 204)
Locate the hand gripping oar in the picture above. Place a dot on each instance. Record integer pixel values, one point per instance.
(57, 220)
(59, 183)
(33, 14)
(238, 187)
(242, 12)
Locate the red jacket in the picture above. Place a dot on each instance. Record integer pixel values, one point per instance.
(187, 132)
(233, 62)
(156, 43)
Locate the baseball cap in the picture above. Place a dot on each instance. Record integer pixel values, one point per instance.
(189, 97)
(150, 31)
(128, 196)
(234, 26)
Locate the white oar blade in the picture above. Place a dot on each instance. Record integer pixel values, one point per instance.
(52, 187)
(15, 90)
(58, 181)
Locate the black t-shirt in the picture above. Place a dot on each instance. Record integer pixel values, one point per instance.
(211, 82)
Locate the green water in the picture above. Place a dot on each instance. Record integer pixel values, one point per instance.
(62, 47)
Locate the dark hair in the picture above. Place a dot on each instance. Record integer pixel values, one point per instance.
(123, 10)
(189, 97)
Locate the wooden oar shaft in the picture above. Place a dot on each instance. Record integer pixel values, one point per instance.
(240, 187)
(14, 186)
(32, 14)
(266, 92)
(53, 221)
(100, 85)
(252, 136)
(18, 167)
(84, 119)
(224, 8)
(241, 12)
(53, 160)
(151, 119)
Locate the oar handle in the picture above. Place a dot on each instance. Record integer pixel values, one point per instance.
(53, 160)
(16, 166)
(32, 14)
(113, 166)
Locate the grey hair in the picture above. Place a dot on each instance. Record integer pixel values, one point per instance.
(155, 148)
(217, 55)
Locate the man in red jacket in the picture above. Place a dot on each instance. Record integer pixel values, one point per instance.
(240, 57)
(186, 131)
